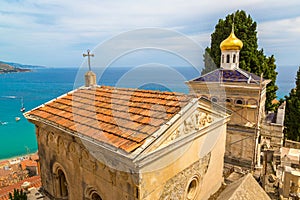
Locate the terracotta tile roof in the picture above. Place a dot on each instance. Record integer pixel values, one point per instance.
(4, 162)
(28, 163)
(34, 157)
(4, 172)
(120, 117)
(35, 181)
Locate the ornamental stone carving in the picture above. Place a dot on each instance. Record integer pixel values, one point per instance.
(193, 123)
(175, 188)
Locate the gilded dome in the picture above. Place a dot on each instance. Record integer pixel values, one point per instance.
(231, 43)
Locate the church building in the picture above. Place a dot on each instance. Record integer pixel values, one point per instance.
(244, 94)
(107, 143)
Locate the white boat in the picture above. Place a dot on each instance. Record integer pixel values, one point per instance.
(18, 119)
(3, 123)
(22, 105)
(22, 109)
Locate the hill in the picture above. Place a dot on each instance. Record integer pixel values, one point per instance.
(8, 67)
(18, 65)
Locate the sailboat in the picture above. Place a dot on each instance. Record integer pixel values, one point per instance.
(22, 105)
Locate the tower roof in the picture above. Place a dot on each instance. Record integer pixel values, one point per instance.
(229, 76)
(231, 42)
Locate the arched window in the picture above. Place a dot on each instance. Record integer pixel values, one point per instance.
(96, 196)
(222, 58)
(228, 100)
(228, 58)
(60, 182)
(63, 185)
(91, 193)
(234, 58)
(252, 102)
(239, 101)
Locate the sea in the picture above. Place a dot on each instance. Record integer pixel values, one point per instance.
(31, 89)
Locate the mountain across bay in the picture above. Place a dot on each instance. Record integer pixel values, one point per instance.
(9, 67)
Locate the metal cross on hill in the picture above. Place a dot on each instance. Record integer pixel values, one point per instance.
(88, 55)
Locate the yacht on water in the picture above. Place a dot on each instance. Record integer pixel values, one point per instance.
(22, 105)
(22, 109)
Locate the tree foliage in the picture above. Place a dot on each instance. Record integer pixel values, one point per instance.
(18, 195)
(252, 59)
(292, 116)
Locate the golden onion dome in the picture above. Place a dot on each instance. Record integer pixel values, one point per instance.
(231, 43)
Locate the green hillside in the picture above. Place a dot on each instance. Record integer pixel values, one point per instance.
(6, 68)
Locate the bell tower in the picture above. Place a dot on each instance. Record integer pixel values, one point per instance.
(230, 48)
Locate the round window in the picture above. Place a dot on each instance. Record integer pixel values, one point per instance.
(214, 99)
(192, 189)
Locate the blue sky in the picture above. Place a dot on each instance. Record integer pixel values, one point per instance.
(55, 33)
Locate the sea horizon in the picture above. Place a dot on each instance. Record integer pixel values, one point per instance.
(42, 85)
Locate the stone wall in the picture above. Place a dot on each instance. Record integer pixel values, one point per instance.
(292, 144)
(240, 145)
(84, 174)
(195, 174)
(272, 135)
(248, 104)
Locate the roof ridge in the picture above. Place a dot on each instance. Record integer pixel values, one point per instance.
(206, 74)
(141, 90)
(244, 72)
(241, 183)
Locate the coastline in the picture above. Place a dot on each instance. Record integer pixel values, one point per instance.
(19, 157)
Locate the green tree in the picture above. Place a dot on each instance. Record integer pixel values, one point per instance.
(18, 195)
(292, 116)
(210, 64)
(251, 58)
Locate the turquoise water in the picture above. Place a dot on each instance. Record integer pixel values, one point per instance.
(35, 88)
(286, 80)
(42, 85)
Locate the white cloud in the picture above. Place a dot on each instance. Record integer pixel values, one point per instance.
(52, 27)
(281, 37)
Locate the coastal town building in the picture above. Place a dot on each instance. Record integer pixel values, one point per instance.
(100, 142)
(31, 166)
(244, 94)
(288, 173)
(20, 173)
(33, 184)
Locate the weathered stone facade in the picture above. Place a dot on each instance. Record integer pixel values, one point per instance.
(246, 101)
(272, 130)
(183, 159)
(84, 174)
(244, 94)
(176, 186)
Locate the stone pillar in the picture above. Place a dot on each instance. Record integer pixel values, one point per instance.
(286, 184)
(90, 79)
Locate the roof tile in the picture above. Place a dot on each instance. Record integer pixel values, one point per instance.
(226, 75)
(123, 118)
